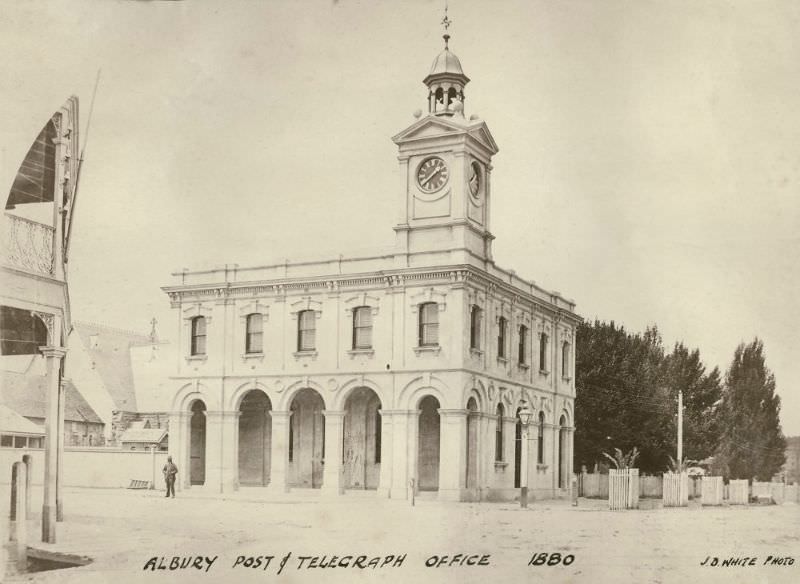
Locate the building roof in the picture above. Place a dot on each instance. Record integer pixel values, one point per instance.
(11, 422)
(109, 350)
(148, 435)
(446, 62)
(26, 394)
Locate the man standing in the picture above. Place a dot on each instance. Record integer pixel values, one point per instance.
(170, 470)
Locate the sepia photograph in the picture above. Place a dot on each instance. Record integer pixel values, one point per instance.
(400, 291)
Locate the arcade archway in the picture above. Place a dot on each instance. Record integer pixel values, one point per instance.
(361, 452)
(197, 443)
(255, 438)
(429, 440)
(307, 439)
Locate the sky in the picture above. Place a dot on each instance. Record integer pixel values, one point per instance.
(649, 163)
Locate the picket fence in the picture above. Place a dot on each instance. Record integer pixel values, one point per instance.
(676, 489)
(711, 490)
(738, 492)
(623, 488)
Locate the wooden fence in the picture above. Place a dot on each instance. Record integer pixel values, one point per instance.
(711, 489)
(676, 489)
(738, 492)
(623, 488)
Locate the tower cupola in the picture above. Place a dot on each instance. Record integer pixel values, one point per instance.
(446, 83)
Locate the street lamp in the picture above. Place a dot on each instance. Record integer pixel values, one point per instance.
(525, 415)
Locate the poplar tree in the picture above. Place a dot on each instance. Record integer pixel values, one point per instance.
(752, 445)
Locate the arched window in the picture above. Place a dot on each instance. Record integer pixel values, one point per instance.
(523, 345)
(540, 441)
(198, 336)
(254, 342)
(565, 359)
(543, 352)
(306, 330)
(439, 99)
(502, 326)
(362, 327)
(498, 433)
(428, 324)
(475, 328)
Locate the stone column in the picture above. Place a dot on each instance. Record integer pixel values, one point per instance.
(452, 454)
(62, 398)
(53, 356)
(229, 467)
(334, 435)
(533, 454)
(387, 436)
(404, 452)
(214, 451)
(279, 457)
(509, 453)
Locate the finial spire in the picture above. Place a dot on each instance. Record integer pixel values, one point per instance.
(446, 22)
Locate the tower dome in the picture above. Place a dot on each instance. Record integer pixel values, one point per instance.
(446, 82)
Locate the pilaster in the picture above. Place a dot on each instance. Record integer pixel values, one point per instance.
(179, 447)
(229, 467)
(405, 429)
(214, 451)
(279, 470)
(387, 449)
(334, 435)
(452, 467)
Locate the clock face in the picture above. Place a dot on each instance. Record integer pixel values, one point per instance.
(474, 179)
(432, 174)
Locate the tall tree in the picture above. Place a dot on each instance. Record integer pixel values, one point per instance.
(626, 397)
(621, 398)
(701, 394)
(752, 444)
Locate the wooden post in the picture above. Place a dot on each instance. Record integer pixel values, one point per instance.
(21, 526)
(53, 356)
(28, 460)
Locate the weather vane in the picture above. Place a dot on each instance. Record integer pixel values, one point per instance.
(446, 22)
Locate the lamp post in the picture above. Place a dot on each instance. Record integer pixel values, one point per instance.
(525, 415)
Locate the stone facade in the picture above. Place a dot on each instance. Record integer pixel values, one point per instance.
(399, 370)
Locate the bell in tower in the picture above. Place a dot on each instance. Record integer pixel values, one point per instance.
(446, 83)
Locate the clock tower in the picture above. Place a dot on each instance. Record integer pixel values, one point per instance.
(443, 210)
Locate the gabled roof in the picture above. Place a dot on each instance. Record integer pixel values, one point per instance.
(11, 422)
(27, 396)
(148, 435)
(438, 126)
(109, 350)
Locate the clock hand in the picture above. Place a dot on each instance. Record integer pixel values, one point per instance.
(430, 177)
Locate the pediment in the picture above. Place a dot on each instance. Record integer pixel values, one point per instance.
(438, 127)
(428, 127)
(482, 134)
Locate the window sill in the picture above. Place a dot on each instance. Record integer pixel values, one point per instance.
(523, 366)
(197, 358)
(544, 372)
(502, 360)
(361, 353)
(475, 352)
(566, 379)
(305, 354)
(500, 464)
(433, 349)
(259, 356)
(541, 467)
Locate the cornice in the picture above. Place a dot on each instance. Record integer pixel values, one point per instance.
(456, 275)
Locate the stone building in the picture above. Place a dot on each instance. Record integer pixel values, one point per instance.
(383, 371)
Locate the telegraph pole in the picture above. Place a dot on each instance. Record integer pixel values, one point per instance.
(680, 430)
